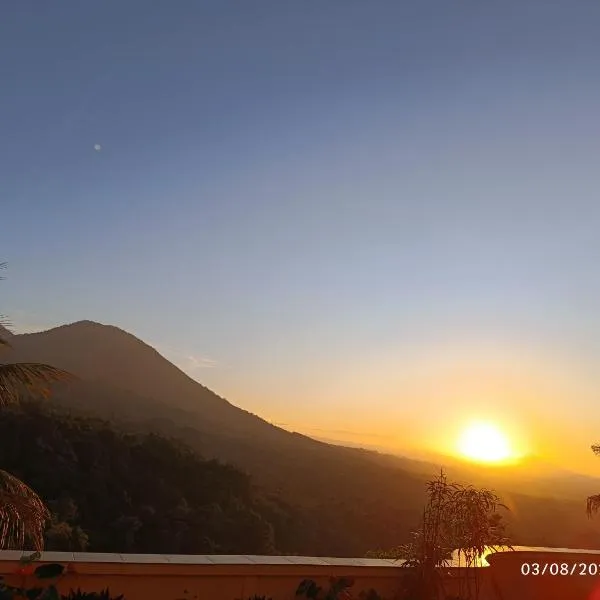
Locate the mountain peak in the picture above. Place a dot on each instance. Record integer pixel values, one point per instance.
(87, 324)
(96, 352)
(86, 328)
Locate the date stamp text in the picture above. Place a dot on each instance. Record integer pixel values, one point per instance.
(560, 569)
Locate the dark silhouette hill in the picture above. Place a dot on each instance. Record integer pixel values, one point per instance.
(105, 353)
(323, 499)
(125, 380)
(112, 491)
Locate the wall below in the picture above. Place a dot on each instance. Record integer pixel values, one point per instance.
(512, 575)
(161, 577)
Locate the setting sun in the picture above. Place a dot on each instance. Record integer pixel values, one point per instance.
(484, 442)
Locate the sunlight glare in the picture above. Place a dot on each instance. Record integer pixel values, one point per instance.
(484, 442)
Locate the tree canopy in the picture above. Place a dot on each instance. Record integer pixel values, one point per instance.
(111, 491)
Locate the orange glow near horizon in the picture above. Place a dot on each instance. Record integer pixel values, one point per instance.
(485, 442)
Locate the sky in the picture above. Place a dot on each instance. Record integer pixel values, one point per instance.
(376, 220)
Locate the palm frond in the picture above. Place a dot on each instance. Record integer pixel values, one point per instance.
(5, 333)
(593, 505)
(32, 378)
(23, 516)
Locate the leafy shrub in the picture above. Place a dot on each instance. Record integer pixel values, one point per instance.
(338, 589)
(102, 595)
(369, 595)
(47, 572)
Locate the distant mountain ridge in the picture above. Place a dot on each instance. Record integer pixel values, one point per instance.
(107, 354)
(345, 500)
(143, 372)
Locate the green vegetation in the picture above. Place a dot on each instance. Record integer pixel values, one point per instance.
(593, 502)
(102, 595)
(340, 588)
(23, 515)
(457, 519)
(110, 491)
(45, 578)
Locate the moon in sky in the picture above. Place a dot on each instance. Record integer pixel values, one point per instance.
(97, 147)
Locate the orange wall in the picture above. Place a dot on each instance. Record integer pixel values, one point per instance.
(142, 580)
(210, 582)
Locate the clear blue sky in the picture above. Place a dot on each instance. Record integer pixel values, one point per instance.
(324, 210)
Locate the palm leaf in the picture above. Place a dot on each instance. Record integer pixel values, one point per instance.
(593, 505)
(4, 325)
(23, 516)
(33, 378)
